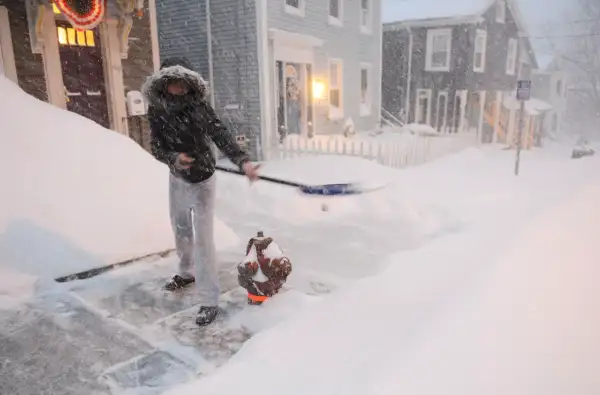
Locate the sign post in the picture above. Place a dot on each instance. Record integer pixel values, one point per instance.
(523, 95)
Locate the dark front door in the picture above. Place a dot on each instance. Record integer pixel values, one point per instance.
(83, 72)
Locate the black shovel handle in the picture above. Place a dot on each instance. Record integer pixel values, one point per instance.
(263, 178)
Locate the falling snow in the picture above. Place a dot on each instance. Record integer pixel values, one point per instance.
(457, 277)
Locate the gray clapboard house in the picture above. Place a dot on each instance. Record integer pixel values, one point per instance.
(281, 67)
(551, 83)
(453, 65)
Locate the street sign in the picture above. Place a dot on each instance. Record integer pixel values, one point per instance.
(523, 94)
(523, 90)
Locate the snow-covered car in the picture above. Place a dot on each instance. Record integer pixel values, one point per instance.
(580, 152)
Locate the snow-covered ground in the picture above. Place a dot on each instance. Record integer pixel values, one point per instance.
(495, 294)
(457, 278)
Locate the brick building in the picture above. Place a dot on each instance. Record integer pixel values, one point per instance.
(81, 55)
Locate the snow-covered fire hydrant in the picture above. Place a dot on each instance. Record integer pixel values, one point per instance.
(264, 270)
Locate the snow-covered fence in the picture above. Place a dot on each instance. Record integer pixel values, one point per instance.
(398, 152)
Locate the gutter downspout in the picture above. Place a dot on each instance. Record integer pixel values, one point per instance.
(211, 74)
(409, 77)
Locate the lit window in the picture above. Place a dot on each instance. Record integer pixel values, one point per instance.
(81, 38)
(55, 9)
(71, 36)
(336, 109)
(89, 35)
(62, 35)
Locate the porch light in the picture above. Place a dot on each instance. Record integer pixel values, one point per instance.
(318, 89)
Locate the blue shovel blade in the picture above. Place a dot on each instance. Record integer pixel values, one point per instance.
(334, 189)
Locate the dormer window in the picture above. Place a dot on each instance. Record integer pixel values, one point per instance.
(501, 11)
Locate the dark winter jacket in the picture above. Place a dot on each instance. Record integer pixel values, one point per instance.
(187, 123)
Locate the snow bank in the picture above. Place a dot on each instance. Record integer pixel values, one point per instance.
(15, 287)
(530, 325)
(421, 129)
(491, 308)
(75, 195)
(274, 311)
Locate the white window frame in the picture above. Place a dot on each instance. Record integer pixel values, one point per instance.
(366, 108)
(511, 56)
(480, 34)
(501, 11)
(367, 25)
(417, 107)
(336, 113)
(298, 11)
(431, 34)
(339, 20)
(442, 126)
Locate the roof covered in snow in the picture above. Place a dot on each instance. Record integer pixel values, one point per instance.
(409, 10)
(398, 13)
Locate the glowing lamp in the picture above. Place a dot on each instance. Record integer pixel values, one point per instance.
(318, 89)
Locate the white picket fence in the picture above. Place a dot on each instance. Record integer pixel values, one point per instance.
(403, 151)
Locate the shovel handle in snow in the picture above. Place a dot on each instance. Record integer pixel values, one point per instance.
(322, 189)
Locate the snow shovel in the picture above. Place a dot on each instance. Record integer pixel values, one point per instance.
(321, 189)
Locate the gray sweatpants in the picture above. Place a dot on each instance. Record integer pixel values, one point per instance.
(192, 209)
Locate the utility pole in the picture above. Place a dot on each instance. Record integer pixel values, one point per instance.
(520, 137)
(523, 94)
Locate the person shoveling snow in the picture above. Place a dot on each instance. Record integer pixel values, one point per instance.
(182, 125)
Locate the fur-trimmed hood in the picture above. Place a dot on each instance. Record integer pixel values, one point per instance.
(173, 69)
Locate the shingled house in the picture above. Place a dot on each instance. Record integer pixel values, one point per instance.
(453, 65)
(279, 68)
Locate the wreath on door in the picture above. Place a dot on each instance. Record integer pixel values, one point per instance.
(82, 14)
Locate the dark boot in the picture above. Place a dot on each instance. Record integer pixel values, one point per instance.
(206, 315)
(178, 282)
